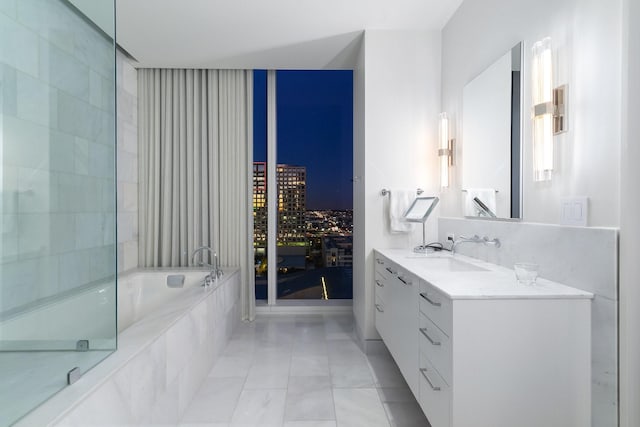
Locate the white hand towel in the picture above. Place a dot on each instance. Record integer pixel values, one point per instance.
(399, 202)
(486, 195)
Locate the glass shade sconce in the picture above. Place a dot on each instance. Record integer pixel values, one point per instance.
(549, 110)
(445, 150)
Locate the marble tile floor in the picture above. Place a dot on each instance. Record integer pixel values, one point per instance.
(302, 371)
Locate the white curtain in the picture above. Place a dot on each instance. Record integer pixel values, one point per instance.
(195, 172)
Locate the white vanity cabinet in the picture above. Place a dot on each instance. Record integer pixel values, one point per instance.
(486, 351)
(396, 322)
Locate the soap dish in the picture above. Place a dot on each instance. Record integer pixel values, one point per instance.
(175, 280)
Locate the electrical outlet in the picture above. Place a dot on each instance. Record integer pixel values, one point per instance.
(451, 237)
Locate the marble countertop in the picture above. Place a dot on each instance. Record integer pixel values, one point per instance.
(462, 277)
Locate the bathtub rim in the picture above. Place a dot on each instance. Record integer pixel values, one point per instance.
(166, 271)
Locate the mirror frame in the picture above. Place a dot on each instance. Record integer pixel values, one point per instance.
(517, 140)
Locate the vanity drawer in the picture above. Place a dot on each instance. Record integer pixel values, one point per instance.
(404, 278)
(389, 269)
(381, 285)
(435, 395)
(380, 263)
(382, 319)
(436, 307)
(436, 346)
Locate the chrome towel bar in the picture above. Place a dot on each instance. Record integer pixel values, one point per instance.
(465, 190)
(386, 192)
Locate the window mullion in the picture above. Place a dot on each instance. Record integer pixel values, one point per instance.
(272, 191)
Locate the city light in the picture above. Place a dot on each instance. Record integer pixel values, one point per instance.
(313, 245)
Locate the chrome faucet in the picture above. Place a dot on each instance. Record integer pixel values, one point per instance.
(474, 239)
(215, 272)
(196, 251)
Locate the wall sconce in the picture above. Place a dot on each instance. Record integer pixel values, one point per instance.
(445, 150)
(549, 111)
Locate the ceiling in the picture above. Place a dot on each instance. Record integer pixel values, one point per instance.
(270, 34)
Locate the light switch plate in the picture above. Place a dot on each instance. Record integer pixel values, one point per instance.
(574, 211)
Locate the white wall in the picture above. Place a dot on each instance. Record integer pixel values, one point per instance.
(629, 224)
(396, 92)
(587, 55)
(127, 86)
(360, 308)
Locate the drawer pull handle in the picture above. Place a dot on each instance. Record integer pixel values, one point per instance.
(431, 340)
(404, 281)
(379, 261)
(429, 300)
(424, 374)
(379, 283)
(380, 309)
(390, 270)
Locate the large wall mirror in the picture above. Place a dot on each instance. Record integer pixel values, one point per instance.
(492, 137)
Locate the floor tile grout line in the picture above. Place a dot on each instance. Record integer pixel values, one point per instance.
(284, 334)
(333, 399)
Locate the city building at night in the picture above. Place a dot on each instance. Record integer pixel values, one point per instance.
(260, 204)
(337, 251)
(292, 195)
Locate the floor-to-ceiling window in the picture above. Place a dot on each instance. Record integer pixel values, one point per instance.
(260, 182)
(312, 149)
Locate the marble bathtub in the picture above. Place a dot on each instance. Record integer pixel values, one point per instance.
(142, 292)
(169, 339)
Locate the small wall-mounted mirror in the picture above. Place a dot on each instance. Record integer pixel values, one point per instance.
(420, 209)
(492, 139)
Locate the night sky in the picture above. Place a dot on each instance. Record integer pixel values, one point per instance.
(315, 129)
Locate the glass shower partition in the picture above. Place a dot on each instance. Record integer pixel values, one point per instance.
(57, 196)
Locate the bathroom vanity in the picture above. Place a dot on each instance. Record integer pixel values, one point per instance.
(479, 349)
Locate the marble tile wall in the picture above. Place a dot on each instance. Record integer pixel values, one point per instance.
(157, 384)
(127, 154)
(57, 124)
(582, 257)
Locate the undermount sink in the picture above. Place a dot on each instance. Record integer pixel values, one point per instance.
(447, 263)
(453, 264)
